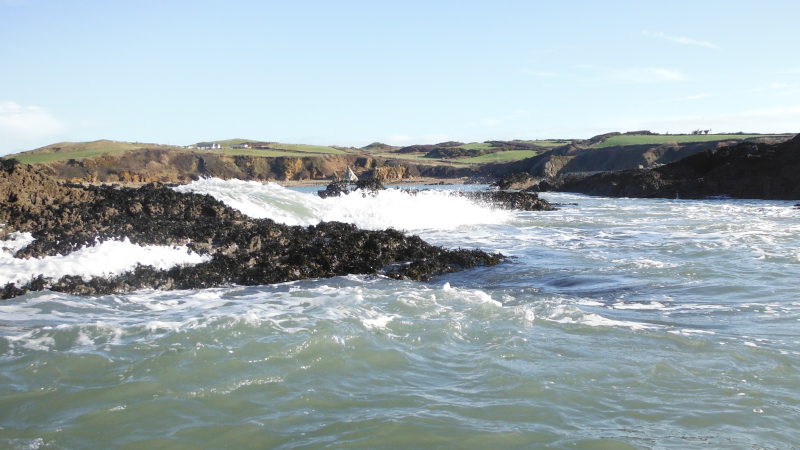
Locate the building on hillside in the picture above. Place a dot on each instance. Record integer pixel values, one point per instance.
(240, 146)
(208, 145)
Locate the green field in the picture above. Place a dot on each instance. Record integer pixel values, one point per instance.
(83, 150)
(511, 155)
(229, 142)
(419, 159)
(656, 139)
(308, 148)
(550, 143)
(476, 146)
(255, 152)
(80, 150)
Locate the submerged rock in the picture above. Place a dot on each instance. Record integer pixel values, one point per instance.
(243, 250)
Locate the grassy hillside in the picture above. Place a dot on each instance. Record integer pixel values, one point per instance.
(229, 142)
(476, 146)
(657, 139)
(64, 151)
(308, 148)
(511, 155)
(254, 152)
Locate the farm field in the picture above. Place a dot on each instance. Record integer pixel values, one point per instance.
(255, 152)
(303, 148)
(662, 139)
(81, 150)
(511, 155)
(476, 146)
(550, 143)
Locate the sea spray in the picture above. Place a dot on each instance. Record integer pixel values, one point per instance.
(104, 259)
(390, 208)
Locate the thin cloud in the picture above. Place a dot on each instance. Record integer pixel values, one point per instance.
(22, 125)
(690, 97)
(403, 140)
(679, 39)
(539, 73)
(647, 75)
(499, 120)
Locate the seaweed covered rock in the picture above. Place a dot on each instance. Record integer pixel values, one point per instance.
(515, 181)
(521, 201)
(243, 250)
(343, 187)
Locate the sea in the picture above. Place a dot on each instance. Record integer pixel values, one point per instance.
(613, 323)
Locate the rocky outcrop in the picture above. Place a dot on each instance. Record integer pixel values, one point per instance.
(151, 165)
(516, 181)
(243, 250)
(521, 201)
(747, 170)
(344, 187)
(578, 157)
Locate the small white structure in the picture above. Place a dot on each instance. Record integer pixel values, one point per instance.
(240, 146)
(208, 145)
(350, 176)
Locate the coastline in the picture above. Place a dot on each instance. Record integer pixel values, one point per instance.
(433, 181)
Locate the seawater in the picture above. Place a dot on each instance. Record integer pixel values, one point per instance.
(614, 324)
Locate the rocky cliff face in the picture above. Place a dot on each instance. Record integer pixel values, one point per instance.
(747, 170)
(170, 166)
(577, 157)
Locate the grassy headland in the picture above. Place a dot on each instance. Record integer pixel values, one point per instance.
(112, 161)
(657, 139)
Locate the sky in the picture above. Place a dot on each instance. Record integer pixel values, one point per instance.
(350, 73)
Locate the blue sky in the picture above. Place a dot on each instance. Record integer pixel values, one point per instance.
(354, 72)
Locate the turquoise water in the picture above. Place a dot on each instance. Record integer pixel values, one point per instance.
(617, 323)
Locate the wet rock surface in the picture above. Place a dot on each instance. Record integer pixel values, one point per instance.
(748, 170)
(244, 251)
(343, 187)
(522, 201)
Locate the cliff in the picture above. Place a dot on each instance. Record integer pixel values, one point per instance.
(150, 165)
(747, 170)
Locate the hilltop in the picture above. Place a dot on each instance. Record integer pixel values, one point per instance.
(249, 159)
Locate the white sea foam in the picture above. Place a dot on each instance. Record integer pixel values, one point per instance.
(569, 314)
(107, 258)
(391, 208)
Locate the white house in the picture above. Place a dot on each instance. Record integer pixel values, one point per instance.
(208, 145)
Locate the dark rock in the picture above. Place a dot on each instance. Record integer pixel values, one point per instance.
(515, 181)
(334, 189)
(342, 187)
(748, 170)
(521, 201)
(244, 251)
